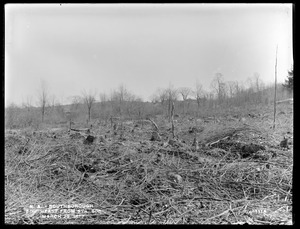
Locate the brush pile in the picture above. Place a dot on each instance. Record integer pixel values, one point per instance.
(146, 176)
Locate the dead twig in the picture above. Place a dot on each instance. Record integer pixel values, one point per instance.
(154, 124)
(215, 142)
(172, 119)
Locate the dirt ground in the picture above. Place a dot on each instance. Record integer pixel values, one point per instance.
(228, 169)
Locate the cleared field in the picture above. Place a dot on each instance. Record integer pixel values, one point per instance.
(231, 169)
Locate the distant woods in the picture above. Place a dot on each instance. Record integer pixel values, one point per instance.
(91, 107)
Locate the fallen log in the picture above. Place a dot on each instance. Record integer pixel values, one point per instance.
(290, 100)
(79, 130)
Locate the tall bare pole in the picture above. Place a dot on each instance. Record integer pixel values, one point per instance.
(172, 119)
(275, 88)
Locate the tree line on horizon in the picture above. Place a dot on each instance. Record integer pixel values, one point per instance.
(86, 108)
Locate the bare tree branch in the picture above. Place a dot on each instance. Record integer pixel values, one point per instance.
(43, 98)
(88, 100)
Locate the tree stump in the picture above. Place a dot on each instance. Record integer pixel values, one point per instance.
(155, 136)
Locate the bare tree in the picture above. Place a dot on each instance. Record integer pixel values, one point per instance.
(154, 98)
(121, 95)
(139, 105)
(172, 94)
(122, 101)
(114, 101)
(75, 102)
(28, 103)
(72, 113)
(218, 86)
(88, 100)
(225, 92)
(198, 93)
(59, 109)
(231, 88)
(241, 93)
(255, 86)
(162, 95)
(239, 88)
(185, 92)
(210, 96)
(233, 91)
(103, 102)
(250, 85)
(259, 85)
(43, 98)
(129, 102)
(257, 81)
(52, 102)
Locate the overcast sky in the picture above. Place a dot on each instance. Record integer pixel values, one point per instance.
(97, 47)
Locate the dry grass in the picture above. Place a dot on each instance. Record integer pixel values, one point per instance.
(137, 181)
